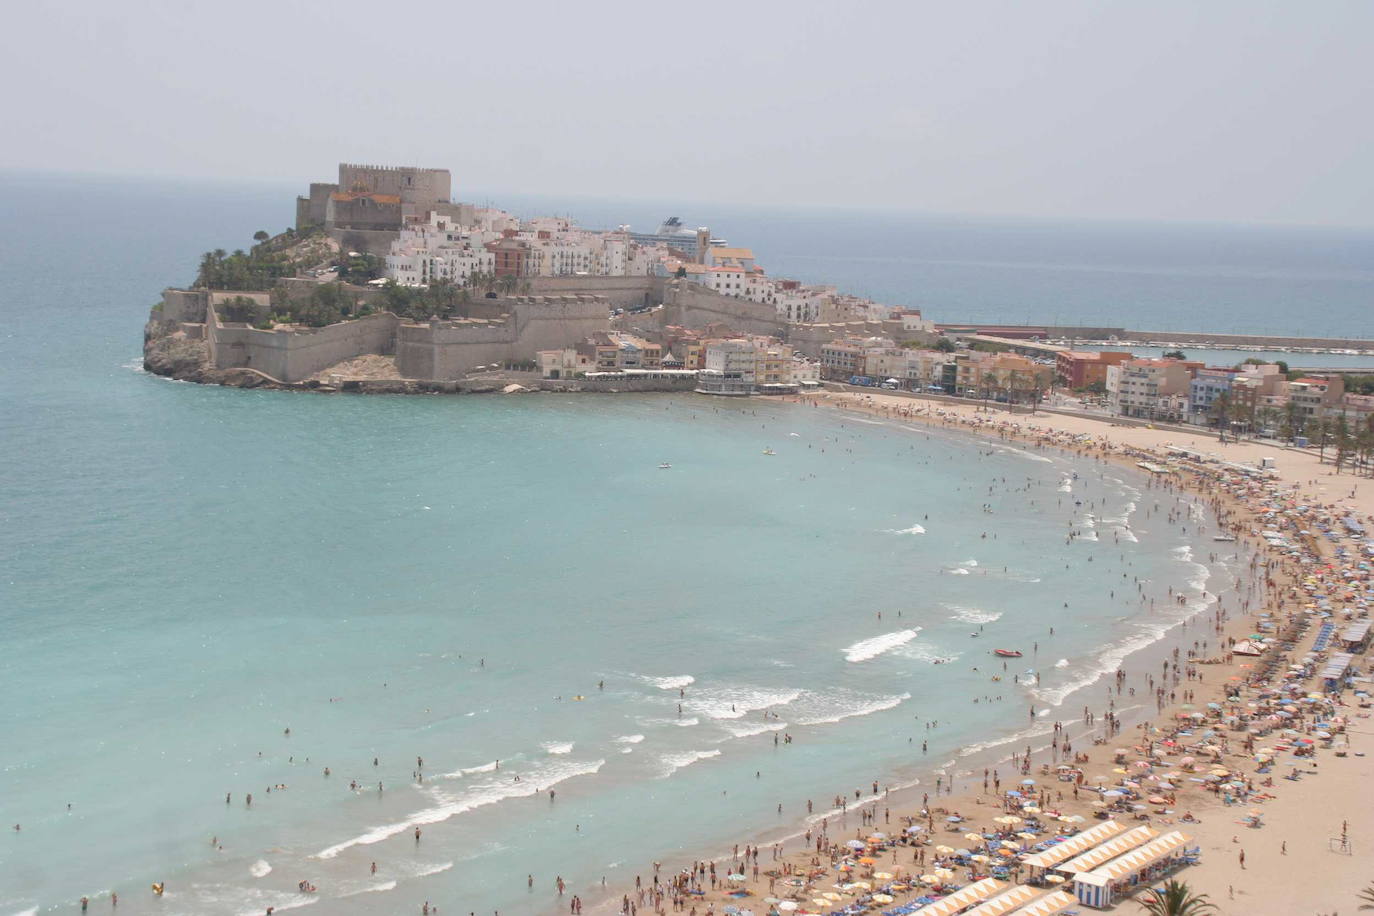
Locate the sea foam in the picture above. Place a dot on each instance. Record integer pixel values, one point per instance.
(914, 529)
(865, 649)
(972, 614)
(671, 763)
(532, 782)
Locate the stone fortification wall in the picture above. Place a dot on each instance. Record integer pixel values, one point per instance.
(410, 183)
(621, 292)
(513, 328)
(448, 349)
(312, 210)
(183, 305)
(693, 306)
(291, 355)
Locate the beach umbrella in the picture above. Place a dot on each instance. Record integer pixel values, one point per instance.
(1028, 782)
(975, 837)
(929, 879)
(954, 819)
(867, 860)
(882, 898)
(981, 859)
(1031, 809)
(877, 836)
(736, 877)
(944, 874)
(830, 895)
(944, 850)
(788, 906)
(915, 828)
(1055, 879)
(861, 885)
(855, 844)
(883, 875)
(820, 901)
(1026, 835)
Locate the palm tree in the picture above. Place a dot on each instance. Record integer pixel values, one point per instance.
(1367, 895)
(1175, 898)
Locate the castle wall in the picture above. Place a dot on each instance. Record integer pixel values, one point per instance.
(448, 349)
(413, 185)
(694, 306)
(312, 210)
(184, 304)
(513, 328)
(622, 292)
(292, 355)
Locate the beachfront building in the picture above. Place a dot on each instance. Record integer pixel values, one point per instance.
(731, 368)
(568, 362)
(847, 356)
(615, 351)
(1000, 376)
(914, 369)
(1077, 369)
(1313, 396)
(1155, 389)
(753, 365)
(1205, 388)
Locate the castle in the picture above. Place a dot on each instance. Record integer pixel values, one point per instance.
(366, 208)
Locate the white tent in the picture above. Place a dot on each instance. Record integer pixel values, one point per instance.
(1109, 850)
(976, 892)
(1074, 845)
(997, 906)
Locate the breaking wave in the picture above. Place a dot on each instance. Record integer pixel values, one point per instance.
(866, 649)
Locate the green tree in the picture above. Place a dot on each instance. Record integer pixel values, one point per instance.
(1344, 442)
(1174, 354)
(945, 345)
(1175, 898)
(1317, 432)
(261, 235)
(242, 308)
(1221, 413)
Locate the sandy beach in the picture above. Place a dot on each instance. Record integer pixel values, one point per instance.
(1293, 862)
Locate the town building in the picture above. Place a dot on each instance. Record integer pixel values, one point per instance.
(1152, 388)
(1077, 370)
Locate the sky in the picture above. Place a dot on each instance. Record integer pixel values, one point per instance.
(1216, 110)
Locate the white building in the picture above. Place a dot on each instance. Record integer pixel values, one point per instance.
(438, 250)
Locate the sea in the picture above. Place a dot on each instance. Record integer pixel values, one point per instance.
(499, 619)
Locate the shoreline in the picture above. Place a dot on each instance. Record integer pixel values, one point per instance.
(1226, 625)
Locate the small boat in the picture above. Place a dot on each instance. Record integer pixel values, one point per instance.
(1228, 538)
(769, 451)
(664, 466)
(1007, 653)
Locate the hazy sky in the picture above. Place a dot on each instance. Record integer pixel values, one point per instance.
(1200, 109)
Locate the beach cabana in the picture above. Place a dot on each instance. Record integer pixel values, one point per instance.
(1048, 905)
(998, 906)
(1114, 847)
(1099, 888)
(960, 900)
(1074, 845)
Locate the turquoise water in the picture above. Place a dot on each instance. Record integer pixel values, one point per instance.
(191, 571)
